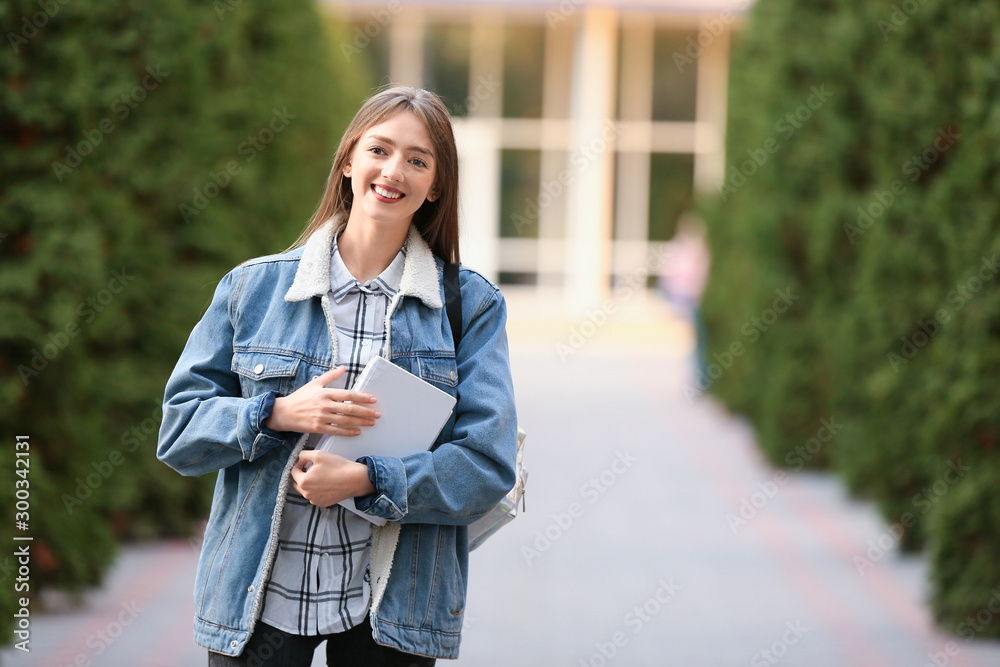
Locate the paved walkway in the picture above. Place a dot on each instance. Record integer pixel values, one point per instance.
(628, 553)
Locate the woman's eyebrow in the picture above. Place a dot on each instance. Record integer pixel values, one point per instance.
(415, 149)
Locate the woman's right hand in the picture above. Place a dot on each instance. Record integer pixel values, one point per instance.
(313, 408)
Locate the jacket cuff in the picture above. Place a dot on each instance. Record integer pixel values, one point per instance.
(253, 437)
(264, 413)
(388, 476)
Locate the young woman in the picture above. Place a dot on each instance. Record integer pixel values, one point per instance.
(268, 370)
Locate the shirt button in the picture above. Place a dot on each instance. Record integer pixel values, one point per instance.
(325, 555)
(369, 300)
(258, 369)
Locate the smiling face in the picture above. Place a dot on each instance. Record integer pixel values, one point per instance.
(392, 171)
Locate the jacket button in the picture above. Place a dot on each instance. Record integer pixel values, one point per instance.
(258, 369)
(233, 644)
(453, 375)
(250, 590)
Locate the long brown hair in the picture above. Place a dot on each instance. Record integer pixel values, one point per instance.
(437, 221)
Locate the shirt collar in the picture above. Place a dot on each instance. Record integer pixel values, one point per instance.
(342, 282)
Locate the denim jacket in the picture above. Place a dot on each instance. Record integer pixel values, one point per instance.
(269, 329)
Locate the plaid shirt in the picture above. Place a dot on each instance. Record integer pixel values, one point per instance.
(319, 582)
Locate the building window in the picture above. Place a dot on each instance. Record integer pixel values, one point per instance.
(519, 176)
(674, 82)
(519, 212)
(670, 193)
(523, 55)
(368, 50)
(446, 65)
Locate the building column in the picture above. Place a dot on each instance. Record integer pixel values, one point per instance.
(559, 44)
(710, 114)
(590, 203)
(478, 139)
(478, 143)
(406, 48)
(631, 231)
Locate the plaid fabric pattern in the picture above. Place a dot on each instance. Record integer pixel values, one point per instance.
(319, 582)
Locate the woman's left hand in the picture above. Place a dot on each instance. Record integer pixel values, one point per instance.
(324, 478)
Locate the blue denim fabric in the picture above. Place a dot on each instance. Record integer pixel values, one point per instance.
(257, 338)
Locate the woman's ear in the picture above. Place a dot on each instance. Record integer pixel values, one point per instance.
(433, 194)
(347, 170)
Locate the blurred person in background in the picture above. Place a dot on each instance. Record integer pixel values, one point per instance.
(683, 278)
(267, 372)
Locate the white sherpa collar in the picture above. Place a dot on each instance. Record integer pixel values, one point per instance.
(420, 272)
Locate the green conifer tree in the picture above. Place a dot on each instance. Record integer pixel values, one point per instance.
(875, 205)
(145, 149)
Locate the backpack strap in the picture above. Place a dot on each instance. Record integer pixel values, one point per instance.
(453, 306)
(453, 300)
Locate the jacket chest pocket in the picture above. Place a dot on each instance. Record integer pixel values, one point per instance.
(440, 371)
(261, 372)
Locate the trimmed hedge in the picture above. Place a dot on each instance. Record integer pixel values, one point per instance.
(965, 573)
(860, 180)
(146, 149)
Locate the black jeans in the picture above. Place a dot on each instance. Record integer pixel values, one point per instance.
(271, 647)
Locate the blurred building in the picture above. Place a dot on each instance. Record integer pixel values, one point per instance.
(584, 128)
